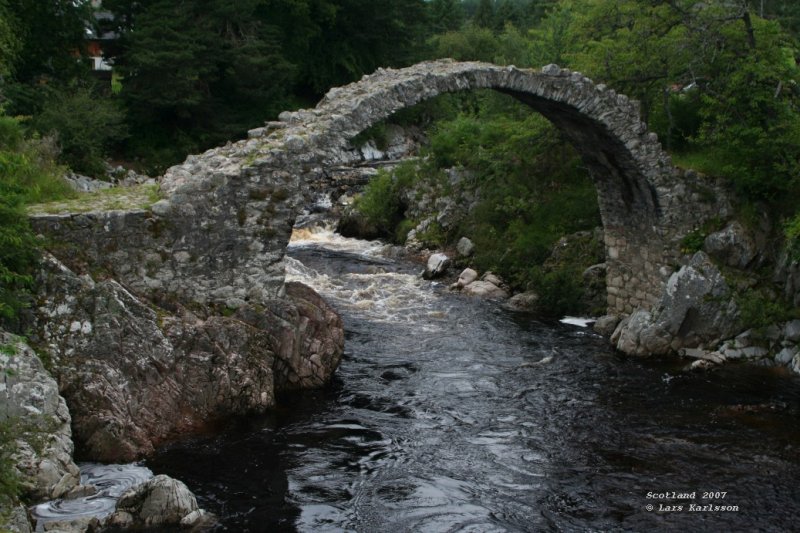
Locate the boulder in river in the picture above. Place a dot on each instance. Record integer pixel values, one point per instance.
(524, 301)
(161, 501)
(437, 265)
(486, 289)
(466, 277)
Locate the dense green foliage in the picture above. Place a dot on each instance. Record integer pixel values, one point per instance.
(28, 174)
(533, 190)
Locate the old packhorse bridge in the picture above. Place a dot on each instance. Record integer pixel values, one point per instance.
(219, 234)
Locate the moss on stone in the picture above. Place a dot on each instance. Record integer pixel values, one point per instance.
(114, 199)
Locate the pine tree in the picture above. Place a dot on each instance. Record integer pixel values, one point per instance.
(446, 15)
(484, 16)
(199, 72)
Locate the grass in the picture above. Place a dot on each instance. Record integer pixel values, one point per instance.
(113, 199)
(699, 160)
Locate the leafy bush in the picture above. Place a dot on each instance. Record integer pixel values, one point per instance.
(758, 309)
(692, 242)
(560, 291)
(791, 231)
(18, 252)
(28, 174)
(86, 125)
(381, 204)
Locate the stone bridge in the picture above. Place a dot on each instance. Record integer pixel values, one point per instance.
(218, 236)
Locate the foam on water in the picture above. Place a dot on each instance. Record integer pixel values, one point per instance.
(380, 295)
(325, 236)
(111, 482)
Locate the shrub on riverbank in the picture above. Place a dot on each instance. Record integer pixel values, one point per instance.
(28, 174)
(529, 190)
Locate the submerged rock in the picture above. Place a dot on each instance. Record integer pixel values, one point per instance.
(31, 404)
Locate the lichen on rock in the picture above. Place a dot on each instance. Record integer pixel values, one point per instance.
(136, 374)
(31, 404)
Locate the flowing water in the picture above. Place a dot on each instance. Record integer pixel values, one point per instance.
(110, 481)
(453, 414)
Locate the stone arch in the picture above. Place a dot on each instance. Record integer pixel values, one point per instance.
(228, 213)
(634, 177)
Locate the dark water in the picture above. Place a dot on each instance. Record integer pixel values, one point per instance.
(451, 414)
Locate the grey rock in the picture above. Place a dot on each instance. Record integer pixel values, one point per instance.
(696, 310)
(199, 520)
(785, 356)
(733, 246)
(606, 324)
(696, 353)
(81, 183)
(436, 266)
(466, 277)
(485, 289)
(754, 352)
(137, 375)
(524, 301)
(159, 501)
(15, 520)
(465, 247)
(76, 525)
(791, 331)
(30, 401)
(493, 279)
(702, 364)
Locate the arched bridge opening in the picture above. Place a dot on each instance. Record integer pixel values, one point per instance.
(227, 215)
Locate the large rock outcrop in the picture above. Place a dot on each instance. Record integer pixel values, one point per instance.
(696, 310)
(31, 405)
(136, 374)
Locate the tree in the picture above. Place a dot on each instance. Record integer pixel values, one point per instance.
(484, 16)
(85, 124)
(50, 44)
(714, 66)
(446, 15)
(506, 13)
(9, 41)
(52, 35)
(342, 47)
(197, 73)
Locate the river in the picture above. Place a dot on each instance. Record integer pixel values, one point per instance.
(454, 414)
